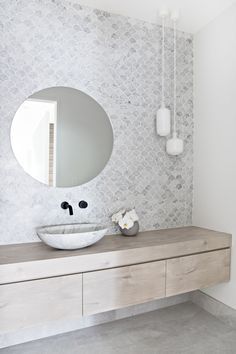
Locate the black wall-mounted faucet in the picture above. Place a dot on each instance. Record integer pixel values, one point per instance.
(66, 205)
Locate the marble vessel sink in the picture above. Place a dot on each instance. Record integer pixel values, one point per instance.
(72, 236)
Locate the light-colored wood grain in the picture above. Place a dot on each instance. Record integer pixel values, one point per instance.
(29, 304)
(189, 273)
(203, 238)
(137, 274)
(36, 260)
(116, 288)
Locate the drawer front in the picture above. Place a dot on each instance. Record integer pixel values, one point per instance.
(38, 302)
(198, 271)
(111, 289)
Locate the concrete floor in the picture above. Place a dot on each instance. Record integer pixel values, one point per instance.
(179, 329)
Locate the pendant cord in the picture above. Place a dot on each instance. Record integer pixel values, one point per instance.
(175, 78)
(163, 62)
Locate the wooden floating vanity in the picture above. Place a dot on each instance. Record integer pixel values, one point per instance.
(41, 285)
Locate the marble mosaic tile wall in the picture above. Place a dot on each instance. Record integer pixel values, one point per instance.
(116, 60)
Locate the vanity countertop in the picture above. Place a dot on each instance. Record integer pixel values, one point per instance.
(20, 262)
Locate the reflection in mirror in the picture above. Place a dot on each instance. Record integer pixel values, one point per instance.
(62, 137)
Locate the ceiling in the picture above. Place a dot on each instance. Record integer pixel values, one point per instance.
(195, 14)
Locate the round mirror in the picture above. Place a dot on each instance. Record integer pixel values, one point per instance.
(62, 137)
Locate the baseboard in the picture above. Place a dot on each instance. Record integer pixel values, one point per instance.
(54, 328)
(214, 307)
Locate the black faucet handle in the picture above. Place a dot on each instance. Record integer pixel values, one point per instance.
(83, 204)
(66, 205)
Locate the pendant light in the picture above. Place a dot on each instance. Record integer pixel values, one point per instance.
(175, 146)
(163, 114)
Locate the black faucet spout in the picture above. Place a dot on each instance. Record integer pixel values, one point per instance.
(66, 205)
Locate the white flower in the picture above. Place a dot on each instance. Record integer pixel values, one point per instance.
(126, 222)
(125, 219)
(117, 216)
(132, 215)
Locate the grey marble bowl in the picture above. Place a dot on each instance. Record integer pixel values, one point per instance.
(131, 232)
(71, 236)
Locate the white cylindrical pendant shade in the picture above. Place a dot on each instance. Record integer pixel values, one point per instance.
(174, 146)
(163, 121)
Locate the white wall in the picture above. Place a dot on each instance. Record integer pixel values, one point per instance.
(215, 135)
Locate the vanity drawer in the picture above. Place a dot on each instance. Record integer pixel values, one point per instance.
(111, 289)
(198, 271)
(36, 303)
